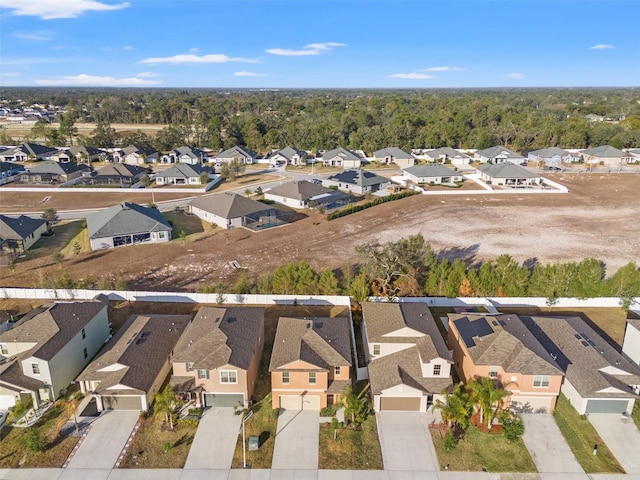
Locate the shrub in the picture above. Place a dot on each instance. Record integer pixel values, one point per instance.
(328, 411)
(189, 421)
(195, 411)
(36, 442)
(349, 209)
(450, 441)
(512, 428)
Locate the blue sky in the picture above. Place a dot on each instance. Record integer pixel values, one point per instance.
(318, 44)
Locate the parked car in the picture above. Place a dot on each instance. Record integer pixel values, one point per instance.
(3, 417)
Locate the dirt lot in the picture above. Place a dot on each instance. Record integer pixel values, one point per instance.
(598, 218)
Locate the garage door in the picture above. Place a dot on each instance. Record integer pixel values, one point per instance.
(607, 406)
(297, 402)
(7, 401)
(407, 404)
(224, 400)
(530, 404)
(122, 402)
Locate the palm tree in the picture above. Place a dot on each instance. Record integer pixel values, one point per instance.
(456, 409)
(165, 403)
(488, 396)
(355, 406)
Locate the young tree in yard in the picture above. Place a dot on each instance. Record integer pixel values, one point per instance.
(36, 442)
(488, 397)
(449, 440)
(356, 406)
(145, 180)
(50, 215)
(204, 178)
(328, 283)
(165, 404)
(359, 288)
(77, 248)
(456, 409)
(58, 258)
(233, 169)
(512, 428)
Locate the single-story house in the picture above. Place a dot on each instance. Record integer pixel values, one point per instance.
(357, 181)
(127, 224)
(501, 348)
(42, 353)
(341, 157)
(116, 174)
(135, 155)
(61, 156)
(244, 154)
(394, 155)
(604, 154)
(18, 234)
(552, 156)
(230, 210)
(432, 174)
(27, 152)
(499, 154)
(447, 155)
(134, 365)
(9, 169)
(289, 156)
(183, 174)
(81, 153)
(508, 174)
(217, 358)
(631, 156)
(631, 342)
(408, 361)
(597, 378)
(304, 194)
(310, 362)
(53, 172)
(189, 155)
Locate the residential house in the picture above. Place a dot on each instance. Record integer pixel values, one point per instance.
(357, 181)
(597, 378)
(289, 156)
(631, 342)
(447, 155)
(81, 153)
(304, 194)
(183, 174)
(341, 157)
(499, 154)
(47, 348)
(508, 174)
(9, 170)
(116, 174)
(27, 152)
(50, 172)
(127, 224)
(217, 359)
(604, 154)
(18, 234)
(552, 157)
(188, 155)
(244, 154)
(230, 210)
(501, 347)
(61, 156)
(135, 155)
(631, 156)
(432, 174)
(310, 362)
(394, 155)
(134, 365)
(408, 361)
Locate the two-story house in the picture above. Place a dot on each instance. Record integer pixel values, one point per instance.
(47, 348)
(217, 358)
(310, 362)
(409, 363)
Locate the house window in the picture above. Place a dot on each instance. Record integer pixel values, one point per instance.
(85, 353)
(228, 376)
(337, 371)
(493, 372)
(541, 381)
(285, 377)
(35, 369)
(203, 373)
(312, 378)
(4, 350)
(436, 370)
(84, 334)
(189, 366)
(376, 349)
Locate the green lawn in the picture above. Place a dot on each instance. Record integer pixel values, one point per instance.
(189, 224)
(581, 437)
(635, 414)
(479, 450)
(351, 449)
(64, 232)
(263, 424)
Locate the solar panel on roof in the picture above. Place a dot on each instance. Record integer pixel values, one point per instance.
(481, 327)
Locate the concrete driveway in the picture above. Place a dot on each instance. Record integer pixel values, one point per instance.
(547, 446)
(622, 437)
(297, 439)
(215, 440)
(106, 439)
(406, 442)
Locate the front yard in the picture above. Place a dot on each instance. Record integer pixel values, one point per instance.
(351, 449)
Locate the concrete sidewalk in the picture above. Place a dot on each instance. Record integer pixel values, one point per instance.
(547, 446)
(622, 437)
(297, 439)
(406, 442)
(215, 440)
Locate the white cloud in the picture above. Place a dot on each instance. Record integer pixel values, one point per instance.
(92, 80)
(29, 60)
(311, 49)
(50, 9)
(190, 58)
(9, 74)
(602, 46)
(146, 74)
(193, 50)
(127, 47)
(444, 69)
(249, 74)
(38, 36)
(412, 76)
(517, 75)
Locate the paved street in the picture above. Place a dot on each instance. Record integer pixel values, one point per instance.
(105, 441)
(215, 440)
(622, 437)
(406, 442)
(547, 446)
(297, 440)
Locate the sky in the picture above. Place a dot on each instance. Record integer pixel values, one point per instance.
(319, 44)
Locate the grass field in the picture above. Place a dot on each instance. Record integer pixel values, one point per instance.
(351, 449)
(581, 437)
(189, 224)
(263, 424)
(635, 414)
(479, 450)
(63, 233)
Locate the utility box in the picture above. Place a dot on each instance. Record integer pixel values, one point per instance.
(254, 443)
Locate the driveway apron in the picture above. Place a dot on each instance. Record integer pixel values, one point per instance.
(622, 437)
(547, 446)
(406, 442)
(215, 440)
(297, 439)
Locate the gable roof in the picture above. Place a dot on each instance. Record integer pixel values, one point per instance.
(603, 151)
(505, 341)
(121, 170)
(322, 342)
(220, 336)
(125, 218)
(493, 152)
(191, 152)
(290, 152)
(84, 150)
(361, 178)
(431, 171)
(302, 190)
(341, 152)
(393, 152)
(184, 170)
(19, 228)
(139, 150)
(229, 205)
(506, 170)
(137, 353)
(447, 152)
(10, 166)
(237, 150)
(58, 168)
(550, 152)
(34, 149)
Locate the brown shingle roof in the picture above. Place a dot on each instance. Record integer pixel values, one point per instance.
(11, 374)
(322, 342)
(220, 336)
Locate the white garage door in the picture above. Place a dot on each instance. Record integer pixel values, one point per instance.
(7, 401)
(297, 402)
(530, 404)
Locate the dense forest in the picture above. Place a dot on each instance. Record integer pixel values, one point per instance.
(522, 119)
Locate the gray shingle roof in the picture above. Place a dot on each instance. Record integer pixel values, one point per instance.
(493, 152)
(229, 205)
(148, 152)
(121, 170)
(322, 342)
(10, 166)
(290, 152)
(506, 170)
(300, 190)
(361, 178)
(237, 150)
(431, 171)
(549, 152)
(220, 336)
(341, 152)
(19, 228)
(192, 152)
(603, 151)
(125, 219)
(58, 168)
(184, 170)
(447, 152)
(393, 152)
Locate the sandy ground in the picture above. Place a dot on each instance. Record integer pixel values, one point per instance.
(597, 218)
